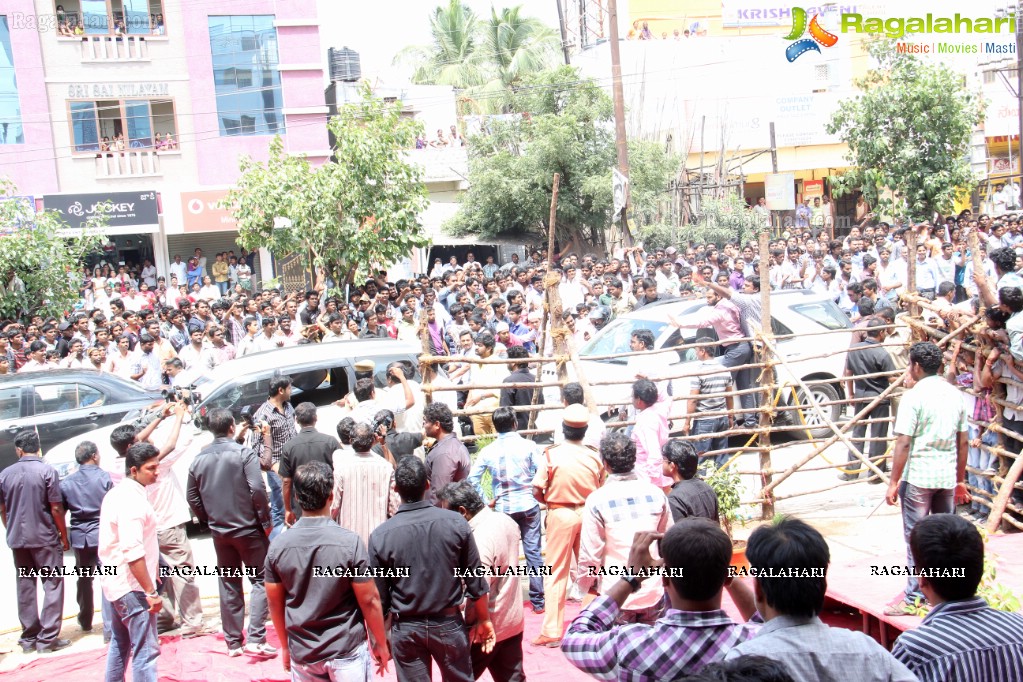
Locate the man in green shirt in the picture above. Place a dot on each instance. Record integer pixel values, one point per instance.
(929, 466)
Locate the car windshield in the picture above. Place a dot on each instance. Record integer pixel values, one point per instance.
(614, 338)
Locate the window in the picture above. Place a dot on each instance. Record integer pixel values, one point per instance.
(50, 398)
(10, 402)
(615, 337)
(827, 316)
(110, 17)
(11, 131)
(248, 85)
(141, 123)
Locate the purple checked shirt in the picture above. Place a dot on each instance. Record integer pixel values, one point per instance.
(680, 643)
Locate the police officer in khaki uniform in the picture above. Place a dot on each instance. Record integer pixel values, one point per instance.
(566, 474)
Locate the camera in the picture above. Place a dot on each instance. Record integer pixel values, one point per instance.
(386, 422)
(183, 394)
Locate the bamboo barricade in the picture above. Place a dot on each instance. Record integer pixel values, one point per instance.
(771, 390)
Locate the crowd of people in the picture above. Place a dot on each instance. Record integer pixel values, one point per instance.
(391, 542)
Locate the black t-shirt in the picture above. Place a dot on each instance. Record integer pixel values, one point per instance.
(693, 498)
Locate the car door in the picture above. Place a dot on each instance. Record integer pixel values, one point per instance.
(11, 421)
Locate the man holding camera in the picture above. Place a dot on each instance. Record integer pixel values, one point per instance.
(276, 422)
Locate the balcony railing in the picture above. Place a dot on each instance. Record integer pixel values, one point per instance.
(128, 164)
(103, 48)
(450, 164)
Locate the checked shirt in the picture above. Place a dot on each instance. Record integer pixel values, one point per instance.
(680, 643)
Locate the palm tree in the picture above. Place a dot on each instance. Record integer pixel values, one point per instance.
(452, 57)
(484, 60)
(515, 46)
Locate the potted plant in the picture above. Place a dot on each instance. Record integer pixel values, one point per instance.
(727, 486)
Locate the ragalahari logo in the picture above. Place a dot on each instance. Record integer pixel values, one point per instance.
(818, 36)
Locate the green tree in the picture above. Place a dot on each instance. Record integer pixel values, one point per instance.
(908, 132)
(482, 59)
(33, 248)
(568, 131)
(361, 210)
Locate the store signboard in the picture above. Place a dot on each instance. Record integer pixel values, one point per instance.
(779, 189)
(813, 188)
(121, 209)
(201, 212)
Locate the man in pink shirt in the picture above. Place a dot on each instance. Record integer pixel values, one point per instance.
(723, 316)
(650, 433)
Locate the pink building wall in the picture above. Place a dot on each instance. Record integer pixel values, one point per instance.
(218, 156)
(31, 165)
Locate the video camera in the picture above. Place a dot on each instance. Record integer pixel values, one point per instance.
(183, 394)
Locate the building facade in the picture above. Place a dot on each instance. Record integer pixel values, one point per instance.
(150, 104)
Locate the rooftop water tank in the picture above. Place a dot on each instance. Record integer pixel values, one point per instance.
(344, 64)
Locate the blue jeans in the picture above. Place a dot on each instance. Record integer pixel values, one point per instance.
(529, 529)
(133, 633)
(417, 642)
(223, 286)
(351, 668)
(276, 503)
(916, 504)
(711, 425)
(741, 353)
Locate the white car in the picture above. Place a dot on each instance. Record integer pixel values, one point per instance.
(794, 314)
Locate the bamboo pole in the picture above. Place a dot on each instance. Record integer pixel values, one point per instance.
(1004, 491)
(764, 438)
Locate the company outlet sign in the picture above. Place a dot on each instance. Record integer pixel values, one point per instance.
(121, 209)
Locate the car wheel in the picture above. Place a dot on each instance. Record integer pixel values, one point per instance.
(819, 393)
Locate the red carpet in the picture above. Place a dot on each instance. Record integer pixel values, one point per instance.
(204, 659)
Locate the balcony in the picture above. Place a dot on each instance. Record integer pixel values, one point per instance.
(107, 48)
(137, 163)
(447, 164)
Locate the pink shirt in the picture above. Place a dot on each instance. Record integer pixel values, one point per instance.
(127, 531)
(650, 434)
(723, 317)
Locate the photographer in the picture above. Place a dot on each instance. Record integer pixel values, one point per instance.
(393, 445)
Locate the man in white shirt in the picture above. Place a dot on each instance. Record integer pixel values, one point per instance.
(129, 548)
(626, 504)
(172, 514)
(149, 273)
(179, 269)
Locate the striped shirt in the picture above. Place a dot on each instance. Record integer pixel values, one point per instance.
(931, 414)
(707, 384)
(965, 641)
(511, 461)
(750, 312)
(625, 505)
(680, 643)
(282, 428)
(364, 494)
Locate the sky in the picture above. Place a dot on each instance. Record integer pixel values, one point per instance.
(378, 29)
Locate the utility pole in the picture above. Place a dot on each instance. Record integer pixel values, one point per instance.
(619, 103)
(564, 32)
(774, 168)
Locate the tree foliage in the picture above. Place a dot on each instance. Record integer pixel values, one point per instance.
(483, 59)
(908, 132)
(565, 127)
(47, 262)
(359, 211)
